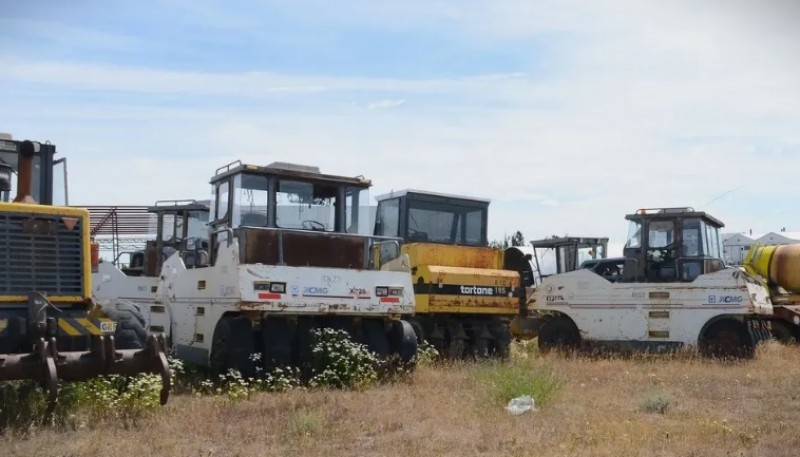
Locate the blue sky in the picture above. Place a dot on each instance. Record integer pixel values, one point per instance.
(566, 114)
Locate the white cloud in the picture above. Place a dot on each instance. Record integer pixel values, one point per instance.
(615, 129)
(384, 104)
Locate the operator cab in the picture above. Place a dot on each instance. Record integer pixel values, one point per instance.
(427, 217)
(181, 225)
(288, 214)
(672, 245)
(558, 255)
(47, 170)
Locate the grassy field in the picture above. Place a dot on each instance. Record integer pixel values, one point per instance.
(642, 406)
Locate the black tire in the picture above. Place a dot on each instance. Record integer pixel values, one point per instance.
(375, 337)
(501, 345)
(558, 333)
(418, 329)
(403, 341)
(784, 332)
(131, 331)
(727, 339)
(276, 334)
(232, 346)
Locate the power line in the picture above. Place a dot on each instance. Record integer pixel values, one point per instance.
(720, 196)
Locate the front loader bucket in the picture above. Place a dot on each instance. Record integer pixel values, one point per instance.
(47, 365)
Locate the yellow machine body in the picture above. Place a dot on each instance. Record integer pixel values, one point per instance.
(51, 329)
(462, 280)
(51, 222)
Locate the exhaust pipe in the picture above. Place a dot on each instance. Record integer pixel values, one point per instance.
(27, 149)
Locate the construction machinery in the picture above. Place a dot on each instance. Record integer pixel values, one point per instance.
(50, 327)
(556, 255)
(133, 276)
(779, 269)
(466, 292)
(675, 291)
(284, 253)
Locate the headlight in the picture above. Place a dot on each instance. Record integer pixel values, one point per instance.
(381, 291)
(396, 291)
(266, 286)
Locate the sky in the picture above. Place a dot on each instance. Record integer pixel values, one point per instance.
(566, 114)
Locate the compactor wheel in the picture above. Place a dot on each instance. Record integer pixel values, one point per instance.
(726, 339)
(784, 333)
(558, 333)
(233, 346)
(403, 341)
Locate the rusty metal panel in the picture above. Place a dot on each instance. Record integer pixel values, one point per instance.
(302, 249)
(454, 256)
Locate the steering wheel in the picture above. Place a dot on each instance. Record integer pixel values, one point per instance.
(313, 225)
(659, 254)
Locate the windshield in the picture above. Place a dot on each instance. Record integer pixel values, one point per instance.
(198, 221)
(634, 235)
(172, 228)
(304, 205)
(297, 204)
(590, 253)
(251, 201)
(714, 244)
(450, 224)
(547, 264)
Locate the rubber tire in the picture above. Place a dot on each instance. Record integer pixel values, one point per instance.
(131, 331)
(276, 335)
(783, 332)
(418, 329)
(375, 337)
(727, 339)
(500, 347)
(403, 341)
(558, 333)
(232, 346)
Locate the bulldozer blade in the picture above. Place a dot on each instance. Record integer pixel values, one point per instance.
(46, 365)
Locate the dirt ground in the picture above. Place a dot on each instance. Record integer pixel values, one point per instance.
(642, 406)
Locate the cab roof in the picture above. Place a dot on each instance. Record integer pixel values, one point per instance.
(289, 170)
(431, 196)
(563, 240)
(179, 205)
(673, 213)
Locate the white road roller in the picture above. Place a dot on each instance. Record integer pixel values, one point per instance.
(673, 290)
(283, 253)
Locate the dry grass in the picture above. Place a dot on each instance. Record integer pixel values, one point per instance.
(713, 409)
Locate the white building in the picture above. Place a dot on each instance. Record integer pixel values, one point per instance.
(736, 245)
